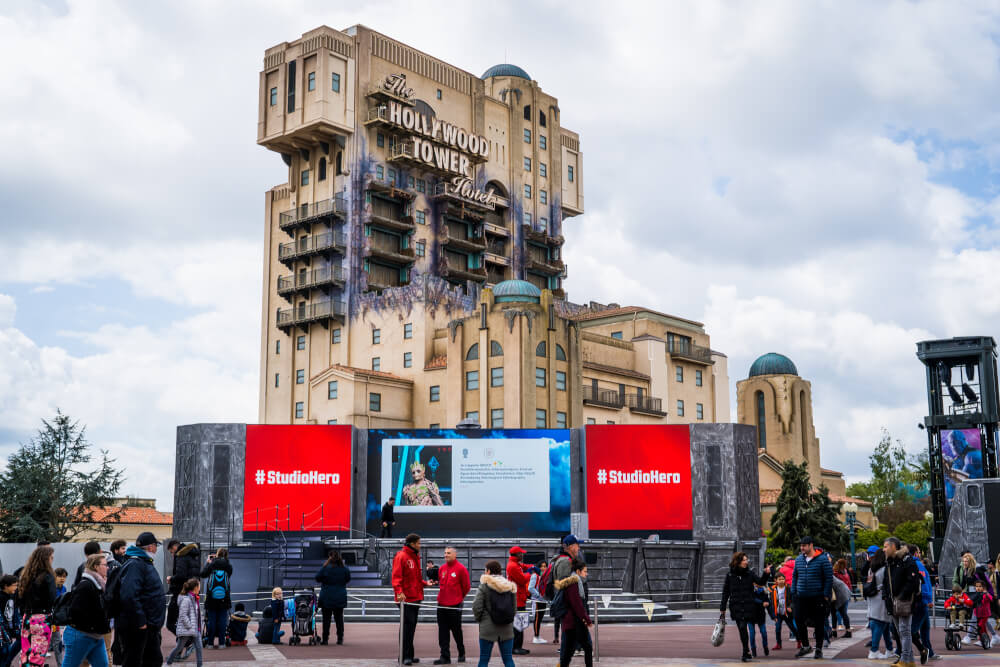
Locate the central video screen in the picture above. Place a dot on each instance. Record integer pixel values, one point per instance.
(471, 483)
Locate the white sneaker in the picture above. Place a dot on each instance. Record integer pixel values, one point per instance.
(883, 656)
(966, 639)
(539, 640)
(872, 655)
(995, 641)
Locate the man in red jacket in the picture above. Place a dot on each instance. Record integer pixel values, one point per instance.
(408, 585)
(517, 573)
(453, 580)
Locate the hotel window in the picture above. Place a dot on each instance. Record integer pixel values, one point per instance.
(380, 140)
(569, 174)
(435, 426)
(541, 142)
(435, 393)
(527, 191)
(410, 181)
(527, 112)
(527, 219)
(277, 347)
(542, 170)
(473, 352)
(496, 418)
(561, 380)
(312, 80)
(407, 331)
(291, 87)
(543, 196)
(421, 248)
(761, 421)
(496, 377)
(300, 343)
(335, 336)
(335, 82)
(496, 350)
(300, 409)
(473, 415)
(421, 218)
(527, 136)
(591, 420)
(560, 353)
(300, 376)
(471, 380)
(527, 164)
(379, 172)
(697, 378)
(276, 379)
(540, 349)
(539, 377)
(421, 185)
(439, 93)
(616, 334)
(611, 421)
(679, 373)
(543, 224)
(331, 389)
(541, 118)
(407, 360)
(274, 97)
(374, 402)
(392, 177)
(699, 410)
(376, 363)
(680, 408)
(322, 169)
(340, 162)
(376, 336)
(560, 420)
(540, 418)
(331, 422)
(305, 177)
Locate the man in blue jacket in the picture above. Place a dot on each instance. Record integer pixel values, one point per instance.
(812, 581)
(921, 623)
(143, 605)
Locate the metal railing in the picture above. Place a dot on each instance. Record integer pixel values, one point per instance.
(336, 205)
(312, 244)
(645, 403)
(390, 245)
(310, 312)
(306, 279)
(606, 397)
(685, 350)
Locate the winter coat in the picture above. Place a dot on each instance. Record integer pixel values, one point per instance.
(516, 574)
(841, 592)
(983, 603)
(575, 592)
(737, 592)
(334, 578)
(187, 565)
(277, 610)
(87, 609)
(903, 583)
(876, 606)
(208, 573)
(10, 618)
(788, 569)
(774, 611)
(188, 616)
(407, 576)
(812, 578)
(961, 601)
(926, 587)
(238, 624)
(761, 605)
(968, 581)
(142, 595)
(388, 514)
(488, 630)
(845, 577)
(40, 596)
(453, 583)
(562, 567)
(265, 628)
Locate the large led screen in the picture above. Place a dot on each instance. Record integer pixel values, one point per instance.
(639, 480)
(962, 454)
(297, 478)
(446, 483)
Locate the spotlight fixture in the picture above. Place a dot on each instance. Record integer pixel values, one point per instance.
(970, 371)
(920, 426)
(944, 372)
(956, 398)
(969, 394)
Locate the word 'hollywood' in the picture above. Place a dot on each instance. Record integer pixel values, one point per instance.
(435, 130)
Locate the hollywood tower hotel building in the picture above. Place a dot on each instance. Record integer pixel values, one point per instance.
(412, 185)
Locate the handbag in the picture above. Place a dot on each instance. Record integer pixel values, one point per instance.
(522, 620)
(900, 607)
(719, 633)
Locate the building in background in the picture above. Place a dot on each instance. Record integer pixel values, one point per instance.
(138, 515)
(778, 402)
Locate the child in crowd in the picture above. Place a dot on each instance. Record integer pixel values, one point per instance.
(761, 596)
(10, 620)
(781, 608)
(277, 613)
(238, 623)
(56, 645)
(61, 575)
(983, 602)
(188, 621)
(957, 606)
(268, 632)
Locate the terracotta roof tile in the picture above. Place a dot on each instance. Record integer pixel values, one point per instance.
(827, 471)
(440, 361)
(625, 310)
(136, 515)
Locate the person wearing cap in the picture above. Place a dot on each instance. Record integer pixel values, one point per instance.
(517, 572)
(812, 585)
(143, 605)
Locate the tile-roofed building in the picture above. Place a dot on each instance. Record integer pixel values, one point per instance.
(130, 521)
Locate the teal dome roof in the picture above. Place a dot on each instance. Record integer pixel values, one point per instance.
(505, 69)
(773, 363)
(514, 291)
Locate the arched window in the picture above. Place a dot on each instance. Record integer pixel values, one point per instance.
(802, 425)
(540, 350)
(322, 169)
(560, 353)
(495, 349)
(761, 423)
(473, 352)
(340, 162)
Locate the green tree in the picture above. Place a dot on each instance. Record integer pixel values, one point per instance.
(905, 509)
(51, 490)
(914, 532)
(792, 515)
(865, 538)
(861, 490)
(890, 470)
(824, 521)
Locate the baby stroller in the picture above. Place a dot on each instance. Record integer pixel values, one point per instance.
(953, 634)
(304, 621)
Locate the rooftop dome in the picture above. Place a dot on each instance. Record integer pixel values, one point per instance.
(516, 291)
(773, 363)
(505, 69)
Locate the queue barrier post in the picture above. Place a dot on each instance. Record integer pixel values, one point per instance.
(402, 607)
(597, 632)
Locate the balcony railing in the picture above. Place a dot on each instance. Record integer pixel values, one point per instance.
(690, 351)
(541, 236)
(312, 245)
(647, 404)
(308, 213)
(390, 249)
(310, 312)
(608, 398)
(307, 280)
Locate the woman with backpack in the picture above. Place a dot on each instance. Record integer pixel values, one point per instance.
(84, 636)
(575, 619)
(333, 595)
(37, 589)
(494, 610)
(217, 602)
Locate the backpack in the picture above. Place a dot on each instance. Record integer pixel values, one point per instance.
(60, 610)
(502, 607)
(218, 585)
(113, 589)
(557, 608)
(547, 586)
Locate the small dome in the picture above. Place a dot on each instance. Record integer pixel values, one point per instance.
(505, 69)
(516, 291)
(773, 363)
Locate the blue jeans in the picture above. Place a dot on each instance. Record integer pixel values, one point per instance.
(80, 647)
(778, 620)
(182, 642)
(922, 625)
(216, 621)
(880, 631)
(763, 635)
(506, 655)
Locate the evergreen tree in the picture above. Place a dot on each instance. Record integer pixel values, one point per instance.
(791, 520)
(824, 522)
(51, 491)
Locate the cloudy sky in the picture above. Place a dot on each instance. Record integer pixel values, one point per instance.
(817, 179)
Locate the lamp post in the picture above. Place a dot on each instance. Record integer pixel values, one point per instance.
(851, 512)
